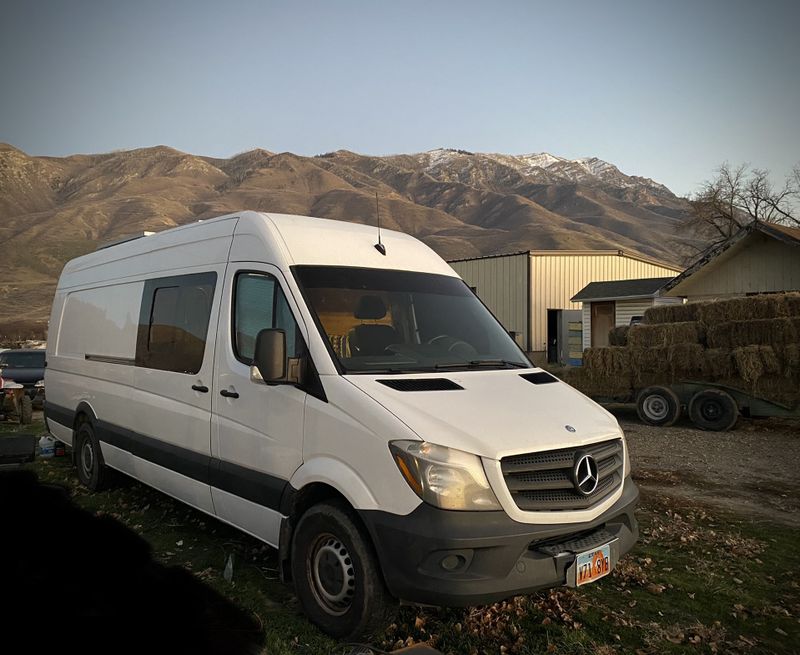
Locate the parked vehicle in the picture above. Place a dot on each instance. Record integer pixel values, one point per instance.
(25, 367)
(356, 407)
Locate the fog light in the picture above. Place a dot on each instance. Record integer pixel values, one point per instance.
(453, 562)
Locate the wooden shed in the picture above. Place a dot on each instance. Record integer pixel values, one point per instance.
(618, 303)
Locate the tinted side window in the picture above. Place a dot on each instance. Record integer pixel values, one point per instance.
(173, 322)
(260, 304)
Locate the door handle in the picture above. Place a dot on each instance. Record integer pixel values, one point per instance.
(228, 394)
(201, 388)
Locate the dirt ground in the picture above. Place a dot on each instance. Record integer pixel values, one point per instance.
(753, 470)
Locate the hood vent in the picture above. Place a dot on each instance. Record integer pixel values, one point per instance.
(539, 378)
(421, 384)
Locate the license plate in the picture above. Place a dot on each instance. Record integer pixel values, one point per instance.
(592, 565)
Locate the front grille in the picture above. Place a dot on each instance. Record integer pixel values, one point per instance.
(544, 481)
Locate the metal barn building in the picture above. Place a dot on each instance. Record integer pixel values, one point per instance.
(530, 292)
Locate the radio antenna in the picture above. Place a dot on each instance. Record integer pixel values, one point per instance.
(379, 246)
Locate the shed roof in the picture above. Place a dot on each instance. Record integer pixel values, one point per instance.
(619, 289)
(571, 253)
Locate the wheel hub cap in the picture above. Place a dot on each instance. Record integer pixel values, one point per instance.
(656, 408)
(332, 575)
(87, 458)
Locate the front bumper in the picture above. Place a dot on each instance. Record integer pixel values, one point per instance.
(440, 557)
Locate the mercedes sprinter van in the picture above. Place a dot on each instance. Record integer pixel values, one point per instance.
(356, 407)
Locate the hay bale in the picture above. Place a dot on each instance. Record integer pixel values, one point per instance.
(792, 303)
(766, 332)
(744, 309)
(618, 336)
(594, 383)
(777, 389)
(665, 334)
(648, 360)
(754, 362)
(612, 359)
(789, 358)
(665, 364)
(672, 313)
(717, 364)
(685, 361)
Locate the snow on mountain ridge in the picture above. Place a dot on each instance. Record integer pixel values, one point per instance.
(542, 166)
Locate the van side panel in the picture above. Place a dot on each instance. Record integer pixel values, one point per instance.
(91, 354)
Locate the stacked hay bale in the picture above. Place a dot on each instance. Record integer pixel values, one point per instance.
(750, 343)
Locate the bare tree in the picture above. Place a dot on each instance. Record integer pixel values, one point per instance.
(739, 196)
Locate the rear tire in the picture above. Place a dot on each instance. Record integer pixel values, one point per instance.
(658, 406)
(92, 470)
(336, 574)
(714, 409)
(26, 410)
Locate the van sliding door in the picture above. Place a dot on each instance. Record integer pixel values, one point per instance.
(171, 402)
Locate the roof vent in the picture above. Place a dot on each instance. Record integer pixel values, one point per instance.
(541, 377)
(422, 384)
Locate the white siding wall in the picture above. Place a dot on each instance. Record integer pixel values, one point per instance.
(502, 284)
(628, 308)
(587, 325)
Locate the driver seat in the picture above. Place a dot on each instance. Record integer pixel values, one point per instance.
(370, 339)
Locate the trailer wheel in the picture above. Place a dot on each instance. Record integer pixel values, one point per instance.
(92, 470)
(26, 410)
(713, 409)
(658, 406)
(336, 574)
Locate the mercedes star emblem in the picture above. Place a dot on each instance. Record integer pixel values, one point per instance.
(585, 474)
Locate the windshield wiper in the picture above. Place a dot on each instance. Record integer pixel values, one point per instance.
(480, 363)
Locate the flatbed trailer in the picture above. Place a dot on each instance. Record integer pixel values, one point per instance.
(710, 406)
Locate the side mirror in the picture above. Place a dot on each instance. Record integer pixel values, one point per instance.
(269, 359)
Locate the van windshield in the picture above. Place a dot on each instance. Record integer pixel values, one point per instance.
(386, 321)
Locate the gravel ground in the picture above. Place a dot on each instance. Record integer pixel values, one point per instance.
(752, 470)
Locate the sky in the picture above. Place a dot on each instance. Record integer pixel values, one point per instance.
(667, 90)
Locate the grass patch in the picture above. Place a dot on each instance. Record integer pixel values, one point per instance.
(697, 582)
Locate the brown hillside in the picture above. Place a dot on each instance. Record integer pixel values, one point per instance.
(461, 204)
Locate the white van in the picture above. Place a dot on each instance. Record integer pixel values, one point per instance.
(356, 407)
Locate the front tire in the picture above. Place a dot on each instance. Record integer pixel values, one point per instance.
(92, 470)
(336, 574)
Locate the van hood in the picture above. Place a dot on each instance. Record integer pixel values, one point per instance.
(495, 413)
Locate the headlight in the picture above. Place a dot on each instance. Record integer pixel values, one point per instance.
(444, 477)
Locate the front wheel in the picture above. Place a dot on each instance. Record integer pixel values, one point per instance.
(336, 574)
(714, 409)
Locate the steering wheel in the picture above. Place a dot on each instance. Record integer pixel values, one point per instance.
(467, 350)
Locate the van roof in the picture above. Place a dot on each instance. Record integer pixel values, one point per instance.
(281, 239)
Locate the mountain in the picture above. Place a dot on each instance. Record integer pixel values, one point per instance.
(461, 203)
